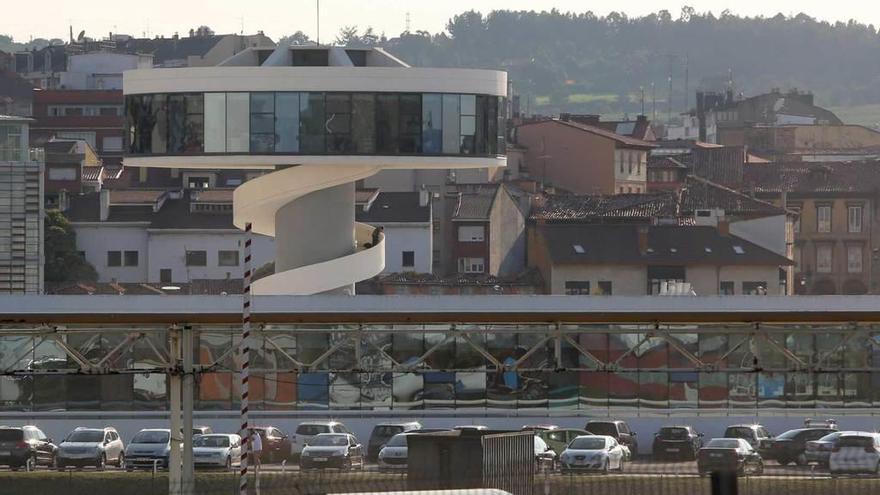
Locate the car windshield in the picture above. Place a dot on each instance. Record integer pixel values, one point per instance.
(151, 437)
(860, 442)
(831, 437)
(739, 432)
(211, 441)
(86, 436)
(11, 435)
(329, 441)
(312, 430)
(587, 443)
(673, 433)
(723, 443)
(397, 441)
(603, 429)
(789, 435)
(386, 431)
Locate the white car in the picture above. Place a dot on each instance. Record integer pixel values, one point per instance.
(592, 453)
(471, 428)
(856, 453)
(393, 455)
(308, 430)
(218, 450)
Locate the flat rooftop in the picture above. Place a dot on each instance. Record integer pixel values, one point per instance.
(440, 309)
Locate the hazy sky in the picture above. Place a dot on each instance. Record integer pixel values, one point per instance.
(277, 17)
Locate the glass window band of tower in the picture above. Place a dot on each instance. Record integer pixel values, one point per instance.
(311, 123)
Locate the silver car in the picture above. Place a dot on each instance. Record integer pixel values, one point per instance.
(334, 451)
(95, 447)
(393, 456)
(217, 450)
(148, 447)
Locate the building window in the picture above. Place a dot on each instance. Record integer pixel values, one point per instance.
(130, 258)
(409, 259)
(854, 219)
(112, 143)
(823, 218)
(854, 258)
(726, 289)
(199, 182)
(227, 258)
(114, 258)
(796, 222)
(577, 288)
(262, 124)
(471, 265)
(471, 233)
(824, 258)
(165, 276)
(754, 288)
(196, 258)
(605, 288)
(62, 173)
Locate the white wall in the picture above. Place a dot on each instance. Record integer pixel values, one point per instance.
(416, 237)
(767, 232)
(167, 249)
(159, 249)
(96, 240)
(625, 280)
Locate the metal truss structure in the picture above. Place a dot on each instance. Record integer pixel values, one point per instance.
(101, 350)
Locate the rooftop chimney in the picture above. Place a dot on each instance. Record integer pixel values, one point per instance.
(424, 197)
(643, 239)
(104, 196)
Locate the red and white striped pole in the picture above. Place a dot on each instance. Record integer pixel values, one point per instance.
(244, 355)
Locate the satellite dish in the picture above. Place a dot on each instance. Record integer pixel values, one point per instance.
(81, 35)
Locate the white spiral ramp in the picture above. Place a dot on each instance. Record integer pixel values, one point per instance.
(306, 208)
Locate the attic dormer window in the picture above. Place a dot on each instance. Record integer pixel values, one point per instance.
(739, 250)
(579, 249)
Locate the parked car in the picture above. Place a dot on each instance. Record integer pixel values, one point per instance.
(383, 432)
(310, 429)
(217, 450)
(619, 430)
(757, 435)
(276, 443)
(592, 453)
(147, 447)
(819, 451)
(393, 456)
(791, 446)
(95, 447)
(25, 447)
(202, 430)
(856, 453)
(471, 428)
(559, 439)
(538, 428)
(729, 454)
(677, 442)
(332, 450)
(545, 457)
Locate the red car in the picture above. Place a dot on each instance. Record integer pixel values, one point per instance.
(276, 443)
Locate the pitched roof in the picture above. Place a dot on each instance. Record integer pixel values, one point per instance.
(802, 177)
(394, 207)
(665, 162)
(135, 196)
(12, 85)
(623, 140)
(696, 194)
(92, 173)
(666, 245)
(476, 205)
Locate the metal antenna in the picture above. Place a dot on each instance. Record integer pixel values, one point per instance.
(318, 20)
(407, 22)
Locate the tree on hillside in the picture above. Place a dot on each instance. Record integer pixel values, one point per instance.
(63, 262)
(298, 38)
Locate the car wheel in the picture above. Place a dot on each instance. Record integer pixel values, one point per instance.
(30, 464)
(102, 462)
(801, 459)
(783, 462)
(228, 463)
(759, 468)
(120, 463)
(605, 466)
(620, 466)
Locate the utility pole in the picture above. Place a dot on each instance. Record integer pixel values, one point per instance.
(669, 103)
(653, 102)
(642, 91)
(687, 95)
(318, 19)
(174, 474)
(188, 476)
